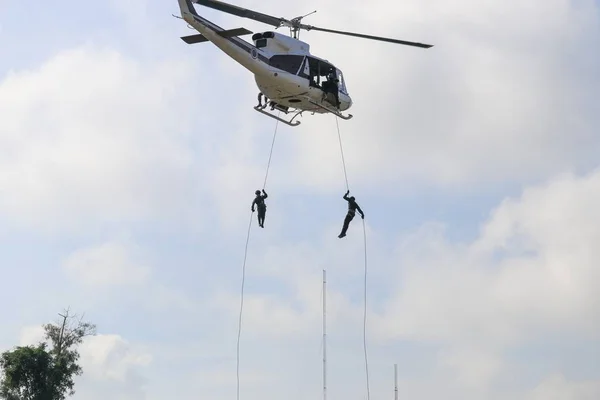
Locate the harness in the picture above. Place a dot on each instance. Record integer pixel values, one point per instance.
(352, 208)
(260, 203)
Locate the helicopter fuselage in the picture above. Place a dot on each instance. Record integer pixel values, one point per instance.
(284, 70)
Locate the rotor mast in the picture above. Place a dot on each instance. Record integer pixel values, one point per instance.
(295, 25)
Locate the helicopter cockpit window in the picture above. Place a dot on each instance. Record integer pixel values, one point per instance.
(288, 63)
(261, 43)
(342, 83)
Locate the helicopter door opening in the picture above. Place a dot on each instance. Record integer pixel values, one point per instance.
(316, 70)
(325, 76)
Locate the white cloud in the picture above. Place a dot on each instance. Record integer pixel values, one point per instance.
(113, 368)
(110, 357)
(112, 263)
(92, 135)
(221, 377)
(31, 335)
(473, 368)
(557, 387)
(531, 270)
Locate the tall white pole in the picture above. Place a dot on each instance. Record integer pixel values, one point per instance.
(324, 337)
(395, 381)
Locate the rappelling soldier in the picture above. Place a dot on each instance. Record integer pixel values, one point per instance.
(352, 208)
(259, 202)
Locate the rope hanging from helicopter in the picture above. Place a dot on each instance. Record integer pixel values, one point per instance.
(342, 152)
(245, 259)
(244, 267)
(365, 263)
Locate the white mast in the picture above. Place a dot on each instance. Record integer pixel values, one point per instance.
(395, 381)
(324, 338)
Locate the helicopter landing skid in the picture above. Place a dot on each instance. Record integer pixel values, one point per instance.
(290, 122)
(331, 110)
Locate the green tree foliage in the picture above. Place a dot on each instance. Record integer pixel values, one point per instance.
(25, 373)
(42, 373)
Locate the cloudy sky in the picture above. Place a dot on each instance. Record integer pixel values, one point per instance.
(128, 162)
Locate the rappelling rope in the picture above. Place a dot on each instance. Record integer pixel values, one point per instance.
(365, 312)
(342, 151)
(365, 280)
(244, 271)
(242, 306)
(271, 153)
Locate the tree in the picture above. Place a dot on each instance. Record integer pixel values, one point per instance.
(39, 373)
(25, 373)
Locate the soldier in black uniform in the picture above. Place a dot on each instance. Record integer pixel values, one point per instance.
(334, 81)
(259, 202)
(352, 208)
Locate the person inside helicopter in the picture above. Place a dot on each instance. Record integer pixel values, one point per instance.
(331, 86)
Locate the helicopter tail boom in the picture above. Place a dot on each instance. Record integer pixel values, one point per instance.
(187, 7)
(226, 40)
(189, 14)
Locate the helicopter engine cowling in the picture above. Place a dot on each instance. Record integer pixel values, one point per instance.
(276, 43)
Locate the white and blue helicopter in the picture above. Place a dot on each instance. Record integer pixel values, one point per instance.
(290, 79)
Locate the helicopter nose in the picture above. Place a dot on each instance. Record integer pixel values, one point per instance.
(346, 103)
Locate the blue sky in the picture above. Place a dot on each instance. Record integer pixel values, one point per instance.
(128, 163)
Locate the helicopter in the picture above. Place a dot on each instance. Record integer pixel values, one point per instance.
(288, 76)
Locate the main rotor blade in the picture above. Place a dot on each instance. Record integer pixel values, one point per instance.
(241, 12)
(360, 35)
